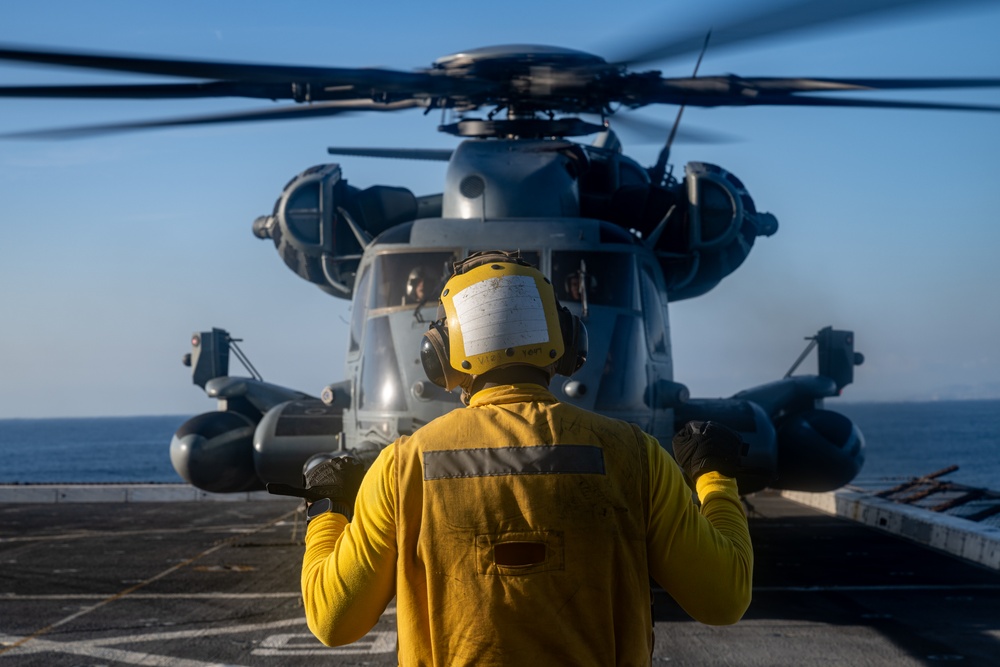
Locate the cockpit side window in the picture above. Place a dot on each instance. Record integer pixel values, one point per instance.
(360, 311)
(600, 278)
(410, 278)
(652, 313)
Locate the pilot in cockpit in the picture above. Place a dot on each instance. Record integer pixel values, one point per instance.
(579, 285)
(416, 286)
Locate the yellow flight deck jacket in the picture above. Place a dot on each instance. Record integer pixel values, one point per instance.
(523, 531)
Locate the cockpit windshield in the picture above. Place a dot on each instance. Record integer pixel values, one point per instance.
(410, 278)
(593, 277)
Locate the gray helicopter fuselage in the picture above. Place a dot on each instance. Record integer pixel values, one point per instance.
(617, 249)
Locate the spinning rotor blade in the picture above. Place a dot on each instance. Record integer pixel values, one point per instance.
(790, 85)
(741, 87)
(714, 91)
(804, 101)
(739, 91)
(771, 21)
(155, 91)
(528, 81)
(653, 131)
(280, 113)
(363, 78)
(432, 154)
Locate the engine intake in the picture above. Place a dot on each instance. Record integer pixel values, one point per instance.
(710, 231)
(320, 224)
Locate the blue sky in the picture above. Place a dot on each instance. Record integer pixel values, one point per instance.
(115, 249)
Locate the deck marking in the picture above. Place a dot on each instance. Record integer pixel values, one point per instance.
(150, 596)
(84, 534)
(299, 643)
(117, 655)
(304, 643)
(171, 635)
(141, 584)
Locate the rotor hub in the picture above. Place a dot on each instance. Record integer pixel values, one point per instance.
(522, 128)
(502, 59)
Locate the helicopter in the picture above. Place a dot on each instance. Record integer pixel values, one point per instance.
(619, 241)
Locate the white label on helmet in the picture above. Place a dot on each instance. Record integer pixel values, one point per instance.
(501, 312)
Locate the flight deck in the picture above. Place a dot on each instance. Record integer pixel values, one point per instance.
(195, 584)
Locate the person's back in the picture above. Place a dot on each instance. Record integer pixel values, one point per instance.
(522, 535)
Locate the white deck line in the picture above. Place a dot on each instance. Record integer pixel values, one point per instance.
(120, 493)
(959, 537)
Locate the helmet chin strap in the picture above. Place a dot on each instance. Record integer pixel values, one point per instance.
(513, 374)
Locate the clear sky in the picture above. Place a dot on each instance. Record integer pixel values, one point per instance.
(115, 249)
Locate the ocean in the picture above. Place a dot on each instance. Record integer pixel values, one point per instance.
(903, 440)
(95, 449)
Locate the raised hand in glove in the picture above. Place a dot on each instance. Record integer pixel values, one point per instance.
(333, 479)
(337, 478)
(702, 447)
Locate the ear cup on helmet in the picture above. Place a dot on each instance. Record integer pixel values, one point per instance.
(574, 334)
(435, 357)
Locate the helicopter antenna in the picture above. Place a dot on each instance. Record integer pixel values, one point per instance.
(243, 358)
(813, 340)
(657, 172)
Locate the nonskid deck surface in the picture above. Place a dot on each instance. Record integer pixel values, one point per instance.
(196, 584)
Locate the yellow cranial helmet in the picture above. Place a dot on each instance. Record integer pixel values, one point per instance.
(498, 311)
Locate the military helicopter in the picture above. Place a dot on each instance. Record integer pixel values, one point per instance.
(618, 240)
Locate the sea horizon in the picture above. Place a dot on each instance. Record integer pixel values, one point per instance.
(904, 439)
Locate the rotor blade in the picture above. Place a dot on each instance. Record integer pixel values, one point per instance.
(156, 91)
(280, 113)
(717, 91)
(741, 86)
(806, 101)
(775, 84)
(381, 79)
(773, 20)
(654, 131)
(432, 154)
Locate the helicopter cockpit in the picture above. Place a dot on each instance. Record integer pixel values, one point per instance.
(408, 279)
(614, 290)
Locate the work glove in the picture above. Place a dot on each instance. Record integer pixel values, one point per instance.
(702, 447)
(337, 478)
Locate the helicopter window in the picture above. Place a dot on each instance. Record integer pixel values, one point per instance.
(603, 278)
(360, 311)
(652, 313)
(623, 378)
(381, 384)
(407, 279)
